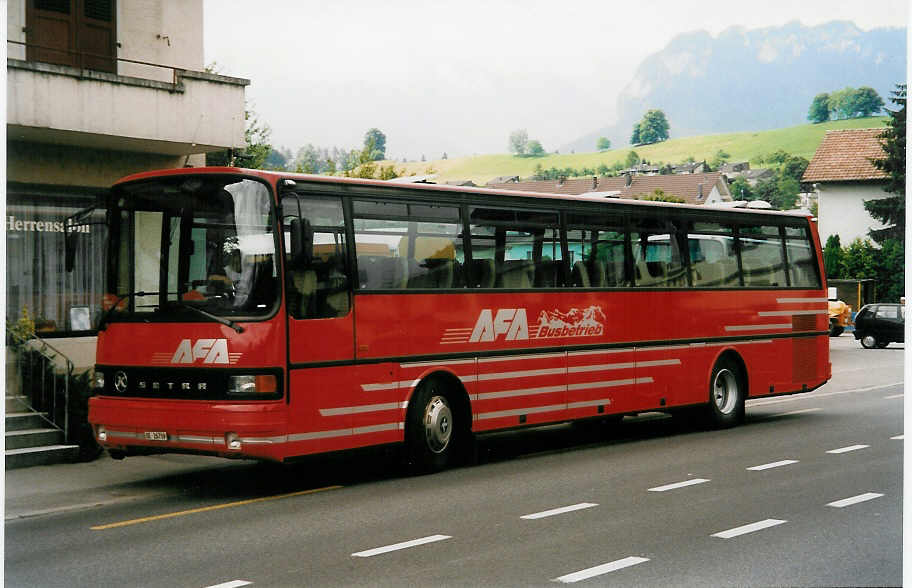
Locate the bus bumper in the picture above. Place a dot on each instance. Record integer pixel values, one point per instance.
(253, 430)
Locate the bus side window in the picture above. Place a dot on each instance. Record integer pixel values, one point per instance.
(317, 283)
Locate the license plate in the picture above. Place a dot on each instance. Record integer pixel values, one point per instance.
(156, 435)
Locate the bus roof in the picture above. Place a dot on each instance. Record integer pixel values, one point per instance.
(274, 176)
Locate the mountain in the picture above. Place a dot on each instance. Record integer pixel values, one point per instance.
(752, 79)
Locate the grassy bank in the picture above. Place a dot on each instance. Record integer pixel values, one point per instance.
(748, 146)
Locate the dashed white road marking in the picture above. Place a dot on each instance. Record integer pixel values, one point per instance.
(602, 569)
(899, 437)
(751, 528)
(677, 485)
(854, 500)
(557, 511)
(231, 584)
(403, 545)
(892, 396)
(848, 449)
(775, 464)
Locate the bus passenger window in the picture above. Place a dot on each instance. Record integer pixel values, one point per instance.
(657, 258)
(521, 247)
(713, 262)
(317, 285)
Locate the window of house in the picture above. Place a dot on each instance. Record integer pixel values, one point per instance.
(77, 33)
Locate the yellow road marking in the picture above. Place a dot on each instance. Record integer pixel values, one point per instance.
(181, 513)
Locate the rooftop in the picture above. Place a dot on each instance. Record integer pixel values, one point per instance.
(845, 156)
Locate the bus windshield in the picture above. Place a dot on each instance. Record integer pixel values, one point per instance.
(192, 246)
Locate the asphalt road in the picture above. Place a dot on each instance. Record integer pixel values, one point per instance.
(808, 492)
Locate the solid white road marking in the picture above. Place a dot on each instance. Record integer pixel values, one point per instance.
(398, 546)
(803, 410)
(751, 528)
(602, 569)
(557, 511)
(805, 396)
(891, 397)
(854, 500)
(848, 449)
(232, 584)
(677, 485)
(899, 437)
(775, 464)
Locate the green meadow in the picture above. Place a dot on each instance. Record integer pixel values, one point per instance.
(747, 146)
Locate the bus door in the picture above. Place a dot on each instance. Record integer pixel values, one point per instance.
(320, 324)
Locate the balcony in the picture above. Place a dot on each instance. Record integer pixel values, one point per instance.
(170, 111)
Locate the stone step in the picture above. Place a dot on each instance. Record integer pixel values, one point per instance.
(33, 438)
(16, 404)
(19, 421)
(32, 456)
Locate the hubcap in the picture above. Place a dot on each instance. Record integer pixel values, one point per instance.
(869, 341)
(438, 424)
(725, 391)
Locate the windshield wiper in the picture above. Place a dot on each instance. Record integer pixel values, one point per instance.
(103, 321)
(219, 319)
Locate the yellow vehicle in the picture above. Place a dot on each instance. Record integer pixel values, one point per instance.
(840, 316)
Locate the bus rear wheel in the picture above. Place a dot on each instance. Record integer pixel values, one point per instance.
(434, 436)
(727, 392)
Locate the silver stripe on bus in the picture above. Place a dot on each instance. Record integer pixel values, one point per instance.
(345, 432)
(520, 357)
(444, 362)
(343, 410)
(599, 367)
(757, 327)
(379, 387)
(609, 384)
(665, 347)
(264, 440)
(199, 439)
(520, 374)
(600, 352)
(799, 300)
(518, 411)
(520, 392)
(587, 403)
(790, 312)
(124, 434)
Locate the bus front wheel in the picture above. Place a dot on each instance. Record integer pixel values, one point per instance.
(727, 391)
(433, 433)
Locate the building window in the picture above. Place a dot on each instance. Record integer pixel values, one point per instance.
(37, 281)
(77, 33)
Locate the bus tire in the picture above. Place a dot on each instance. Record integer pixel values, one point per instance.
(434, 436)
(727, 391)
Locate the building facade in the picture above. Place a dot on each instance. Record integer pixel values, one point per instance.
(96, 90)
(843, 177)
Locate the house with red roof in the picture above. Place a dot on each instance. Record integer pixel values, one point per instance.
(708, 188)
(843, 177)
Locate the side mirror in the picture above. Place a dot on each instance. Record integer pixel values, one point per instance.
(301, 242)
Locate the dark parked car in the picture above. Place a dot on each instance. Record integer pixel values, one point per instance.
(878, 325)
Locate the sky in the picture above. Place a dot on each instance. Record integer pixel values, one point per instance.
(458, 77)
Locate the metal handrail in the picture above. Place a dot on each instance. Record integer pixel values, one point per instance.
(50, 357)
(174, 69)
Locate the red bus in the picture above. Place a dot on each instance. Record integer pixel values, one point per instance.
(272, 315)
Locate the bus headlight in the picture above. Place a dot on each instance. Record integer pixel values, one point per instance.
(252, 384)
(99, 380)
(102, 433)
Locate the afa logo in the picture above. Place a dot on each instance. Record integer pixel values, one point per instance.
(209, 350)
(512, 324)
(508, 321)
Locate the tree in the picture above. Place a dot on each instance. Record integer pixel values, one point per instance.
(603, 144)
(719, 158)
(868, 101)
(635, 136)
(786, 194)
(632, 159)
(891, 211)
(659, 195)
(375, 142)
(793, 166)
(652, 128)
(820, 108)
(534, 148)
(519, 140)
(832, 257)
(741, 189)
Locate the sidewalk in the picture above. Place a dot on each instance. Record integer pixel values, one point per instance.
(55, 488)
